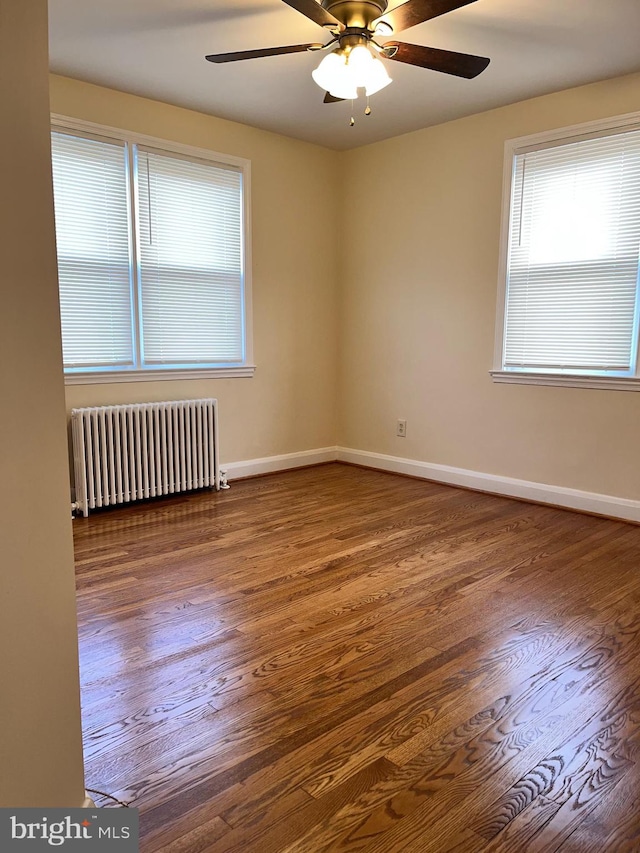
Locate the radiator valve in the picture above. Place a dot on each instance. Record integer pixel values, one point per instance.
(223, 480)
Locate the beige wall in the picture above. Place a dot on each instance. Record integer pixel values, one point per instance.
(419, 301)
(397, 318)
(40, 742)
(289, 405)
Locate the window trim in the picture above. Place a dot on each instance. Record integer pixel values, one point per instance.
(247, 369)
(523, 145)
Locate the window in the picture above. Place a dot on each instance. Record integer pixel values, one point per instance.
(152, 258)
(569, 300)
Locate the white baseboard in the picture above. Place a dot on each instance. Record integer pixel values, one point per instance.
(628, 510)
(270, 464)
(607, 505)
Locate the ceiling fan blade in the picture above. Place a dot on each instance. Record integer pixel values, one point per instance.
(448, 61)
(416, 11)
(265, 51)
(331, 99)
(313, 10)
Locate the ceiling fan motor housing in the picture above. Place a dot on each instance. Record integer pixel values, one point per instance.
(357, 14)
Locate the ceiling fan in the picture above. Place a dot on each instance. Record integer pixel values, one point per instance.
(355, 60)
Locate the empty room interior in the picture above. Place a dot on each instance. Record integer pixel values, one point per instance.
(320, 434)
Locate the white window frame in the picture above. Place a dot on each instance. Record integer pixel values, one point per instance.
(522, 145)
(247, 369)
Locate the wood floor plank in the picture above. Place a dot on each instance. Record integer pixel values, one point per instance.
(338, 659)
(613, 822)
(446, 773)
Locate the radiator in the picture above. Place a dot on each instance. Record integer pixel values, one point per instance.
(143, 450)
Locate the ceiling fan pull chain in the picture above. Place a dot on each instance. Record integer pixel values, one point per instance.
(352, 121)
(367, 111)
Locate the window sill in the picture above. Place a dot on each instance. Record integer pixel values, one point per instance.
(605, 383)
(115, 377)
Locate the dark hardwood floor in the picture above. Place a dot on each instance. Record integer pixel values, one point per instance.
(337, 659)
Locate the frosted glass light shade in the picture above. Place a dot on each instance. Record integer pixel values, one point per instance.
(345, 87)
(377, 77)
(367, 70)
(342, 76)
(359, 63)
(333, 76)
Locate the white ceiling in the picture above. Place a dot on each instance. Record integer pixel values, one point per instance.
(156, 48)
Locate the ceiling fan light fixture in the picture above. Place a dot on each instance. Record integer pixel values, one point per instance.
(342, 74)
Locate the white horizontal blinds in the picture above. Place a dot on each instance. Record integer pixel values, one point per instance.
(92, 233)
(573, 257)
(190, 259)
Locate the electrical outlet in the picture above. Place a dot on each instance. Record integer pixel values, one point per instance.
(401, 428)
